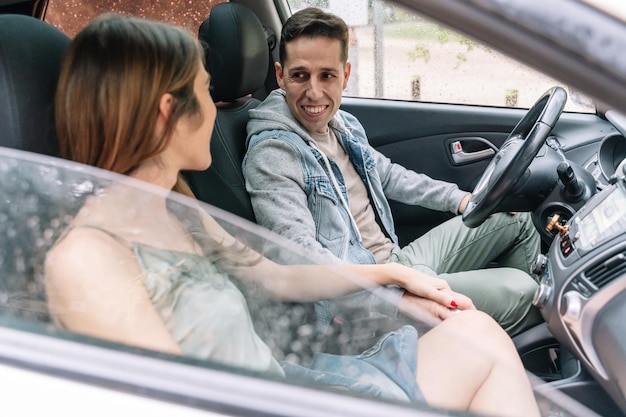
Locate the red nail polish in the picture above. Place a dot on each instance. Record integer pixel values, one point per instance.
(453, 304)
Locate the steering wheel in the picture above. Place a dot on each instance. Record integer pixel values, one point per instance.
(514, 157)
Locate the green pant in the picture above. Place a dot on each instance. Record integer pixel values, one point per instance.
(460, 255)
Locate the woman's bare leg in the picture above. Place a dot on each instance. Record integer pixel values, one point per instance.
(469, 363)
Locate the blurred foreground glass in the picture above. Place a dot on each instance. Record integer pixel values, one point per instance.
(40, 197)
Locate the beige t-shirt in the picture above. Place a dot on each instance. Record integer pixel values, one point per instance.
(373, 238)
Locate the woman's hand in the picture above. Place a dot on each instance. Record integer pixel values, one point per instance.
(425, 310)
(429, 299)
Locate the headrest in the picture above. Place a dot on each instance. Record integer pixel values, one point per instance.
(31, 52)
(236, 49)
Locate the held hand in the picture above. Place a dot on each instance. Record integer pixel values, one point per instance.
(435, 289)
(432, 289)
(428, 311)
(429, 299)
(423, 310)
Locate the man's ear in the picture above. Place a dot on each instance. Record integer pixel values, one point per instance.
(279, 74)
(346, 74)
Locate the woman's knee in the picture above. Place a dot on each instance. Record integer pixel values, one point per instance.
(480, 328)
(474, 320)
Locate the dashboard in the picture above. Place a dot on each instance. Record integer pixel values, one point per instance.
(582, 291)
(609, 159)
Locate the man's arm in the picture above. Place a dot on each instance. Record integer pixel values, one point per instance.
(409, 187)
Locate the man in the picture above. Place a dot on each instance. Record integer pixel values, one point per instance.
(313, 177)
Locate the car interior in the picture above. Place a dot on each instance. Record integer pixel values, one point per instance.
(240, 53)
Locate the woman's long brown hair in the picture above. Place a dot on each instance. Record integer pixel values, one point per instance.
(113, 76)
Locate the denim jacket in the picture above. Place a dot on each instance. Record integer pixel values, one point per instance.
(293, 194)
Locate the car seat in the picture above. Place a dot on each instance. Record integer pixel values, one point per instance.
(237, 56)
(31, 52)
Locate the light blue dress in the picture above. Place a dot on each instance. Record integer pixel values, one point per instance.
(204, 311)
(209, 318)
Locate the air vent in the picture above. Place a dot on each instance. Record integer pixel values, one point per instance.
(606, 271)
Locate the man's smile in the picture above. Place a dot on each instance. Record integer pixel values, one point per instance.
(314, 110)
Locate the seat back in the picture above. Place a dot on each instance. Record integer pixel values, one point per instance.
(31, 52)
(237, 56)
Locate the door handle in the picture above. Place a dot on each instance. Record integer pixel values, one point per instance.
(461, 156)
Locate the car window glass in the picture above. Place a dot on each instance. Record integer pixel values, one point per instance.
(398, 54)
(71, 15)
(42, 197)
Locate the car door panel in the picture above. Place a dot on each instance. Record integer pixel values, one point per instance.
(421, 136)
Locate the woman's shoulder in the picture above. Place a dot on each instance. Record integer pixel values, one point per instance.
(86, 237)
(82, 247)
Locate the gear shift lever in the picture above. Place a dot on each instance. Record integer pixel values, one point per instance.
(573, 189)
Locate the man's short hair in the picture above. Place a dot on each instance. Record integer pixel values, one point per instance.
(314, 22)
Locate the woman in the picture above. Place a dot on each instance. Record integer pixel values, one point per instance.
(133, 98)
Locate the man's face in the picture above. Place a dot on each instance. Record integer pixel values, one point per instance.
(313, 78)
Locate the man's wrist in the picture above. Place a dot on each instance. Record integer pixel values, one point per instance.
(463, 203)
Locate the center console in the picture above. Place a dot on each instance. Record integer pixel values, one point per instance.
(582, 292)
